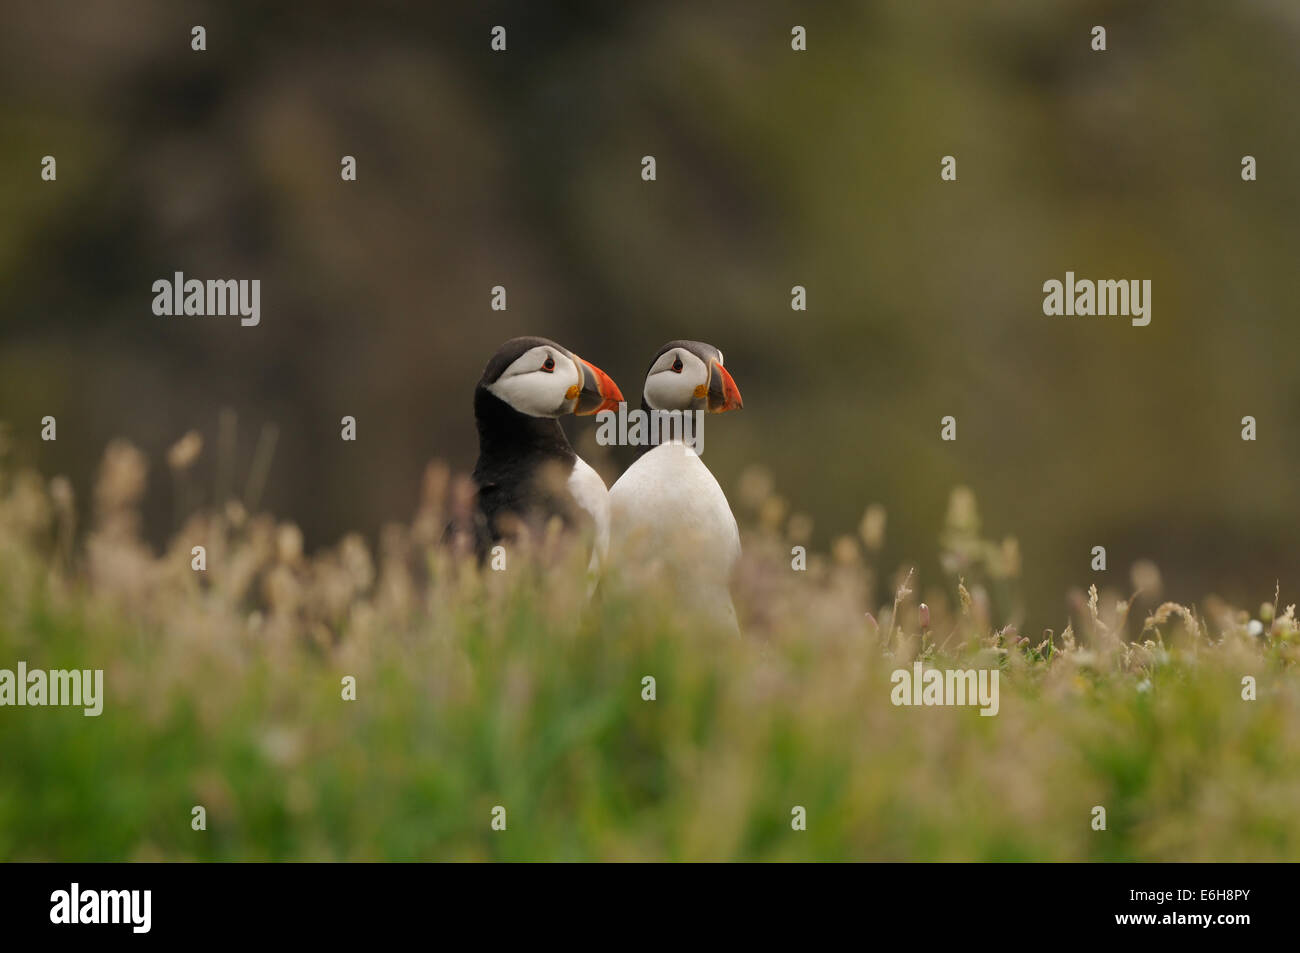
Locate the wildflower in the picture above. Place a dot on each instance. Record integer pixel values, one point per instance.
(1145, 576)
(872, 529)
(185, 451)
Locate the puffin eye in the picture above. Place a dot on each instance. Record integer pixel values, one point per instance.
(677, 365)
(549, 365)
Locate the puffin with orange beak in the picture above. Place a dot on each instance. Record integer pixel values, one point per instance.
(669, 519)
(527, 472)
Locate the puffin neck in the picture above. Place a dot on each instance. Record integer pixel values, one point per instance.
(643, 448)
(506, 435)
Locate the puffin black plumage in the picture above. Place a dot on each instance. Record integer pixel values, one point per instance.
(527, 472)
(669, 519)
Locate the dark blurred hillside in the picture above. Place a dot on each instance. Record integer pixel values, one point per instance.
(774, 169)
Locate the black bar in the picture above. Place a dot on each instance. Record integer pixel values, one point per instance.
(957, 902)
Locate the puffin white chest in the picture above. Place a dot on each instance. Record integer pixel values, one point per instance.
(588, 491)
(668, 511)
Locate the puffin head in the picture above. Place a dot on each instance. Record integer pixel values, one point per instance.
(688, 375)
(539, 378)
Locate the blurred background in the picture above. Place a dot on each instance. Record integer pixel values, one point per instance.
(774, 168)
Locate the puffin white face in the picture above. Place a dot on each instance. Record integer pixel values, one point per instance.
(681, 379)
(544, 381)
(549, 381)
(678, 381)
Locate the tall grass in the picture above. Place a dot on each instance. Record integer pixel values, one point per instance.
(479, 688)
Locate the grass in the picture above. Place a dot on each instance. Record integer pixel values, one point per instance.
(477, 689)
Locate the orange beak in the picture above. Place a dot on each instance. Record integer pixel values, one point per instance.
(724, 395)
(599, 392)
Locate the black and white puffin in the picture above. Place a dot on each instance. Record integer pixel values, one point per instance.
(669, 518)
(527, 472)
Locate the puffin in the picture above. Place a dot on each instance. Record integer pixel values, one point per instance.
(527, 473)
(669, 519)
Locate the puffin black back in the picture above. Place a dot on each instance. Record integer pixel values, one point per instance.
(522, 465)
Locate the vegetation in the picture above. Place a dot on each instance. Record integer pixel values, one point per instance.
(479, 688)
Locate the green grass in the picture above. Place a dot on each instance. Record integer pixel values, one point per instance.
(483, 689)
